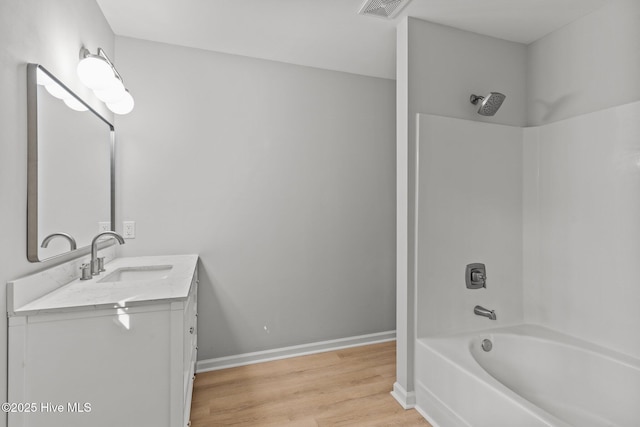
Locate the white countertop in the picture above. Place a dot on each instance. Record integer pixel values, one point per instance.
(93, 294)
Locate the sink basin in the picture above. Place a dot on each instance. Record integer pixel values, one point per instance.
(127, 274)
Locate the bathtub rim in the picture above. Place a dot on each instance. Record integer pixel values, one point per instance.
(540, 332)
(466, 364)
(444, 342)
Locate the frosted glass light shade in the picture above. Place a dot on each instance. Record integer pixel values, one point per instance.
(124, 106)
(74, 104)
(52, 86)
(95, 73)
(98, 73)
(57, 91)
(43, 79)
(112, 94)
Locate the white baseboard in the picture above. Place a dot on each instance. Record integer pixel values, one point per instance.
(406, 399)
(293, 351)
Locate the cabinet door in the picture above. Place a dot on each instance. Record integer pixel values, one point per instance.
(117, 363)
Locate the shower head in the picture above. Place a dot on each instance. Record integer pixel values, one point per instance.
(490, 104)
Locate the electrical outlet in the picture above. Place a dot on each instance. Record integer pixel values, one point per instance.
(129, 229)
(104, 226)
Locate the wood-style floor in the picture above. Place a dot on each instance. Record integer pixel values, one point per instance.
(339, 388)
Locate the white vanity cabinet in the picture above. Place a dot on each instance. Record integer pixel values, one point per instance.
(123, 363)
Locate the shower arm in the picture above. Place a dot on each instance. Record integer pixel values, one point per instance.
(475, 98)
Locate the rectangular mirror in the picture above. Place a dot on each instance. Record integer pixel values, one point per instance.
(70, 168)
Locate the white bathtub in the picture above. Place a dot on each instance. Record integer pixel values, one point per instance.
(533, 376)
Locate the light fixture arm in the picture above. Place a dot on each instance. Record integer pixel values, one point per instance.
(86, 53)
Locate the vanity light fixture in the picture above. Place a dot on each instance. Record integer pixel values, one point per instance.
(58, 90)
(98, 73)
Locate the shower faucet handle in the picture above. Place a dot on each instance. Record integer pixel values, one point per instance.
(476, 276)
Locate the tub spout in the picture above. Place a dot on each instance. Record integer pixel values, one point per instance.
(481, 311)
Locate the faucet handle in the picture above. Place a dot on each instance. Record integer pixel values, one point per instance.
(477, 277)
(101, 264)
(85, 268)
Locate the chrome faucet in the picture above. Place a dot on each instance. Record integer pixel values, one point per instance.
(481, 311)
(96, 268)
(50, 237)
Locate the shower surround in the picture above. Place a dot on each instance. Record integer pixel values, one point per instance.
(575, 232)
(552, 211)
(581, 210)
(469, 210)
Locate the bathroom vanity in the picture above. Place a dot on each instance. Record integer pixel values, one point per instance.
(116, 350)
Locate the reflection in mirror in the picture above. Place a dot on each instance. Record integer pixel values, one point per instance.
(70, 167)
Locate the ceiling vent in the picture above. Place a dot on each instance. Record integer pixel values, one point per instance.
(387, 9)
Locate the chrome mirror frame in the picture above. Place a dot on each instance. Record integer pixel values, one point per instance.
(33, 243)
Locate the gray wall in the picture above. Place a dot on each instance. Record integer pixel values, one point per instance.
(586, 66)
(281, 177)
(49, 33)
(447, 65)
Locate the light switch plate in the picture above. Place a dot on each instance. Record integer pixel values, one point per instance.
(129, 229)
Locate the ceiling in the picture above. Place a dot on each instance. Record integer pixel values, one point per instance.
(328, 33)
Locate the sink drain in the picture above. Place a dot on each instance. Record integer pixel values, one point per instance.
(487, 345)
